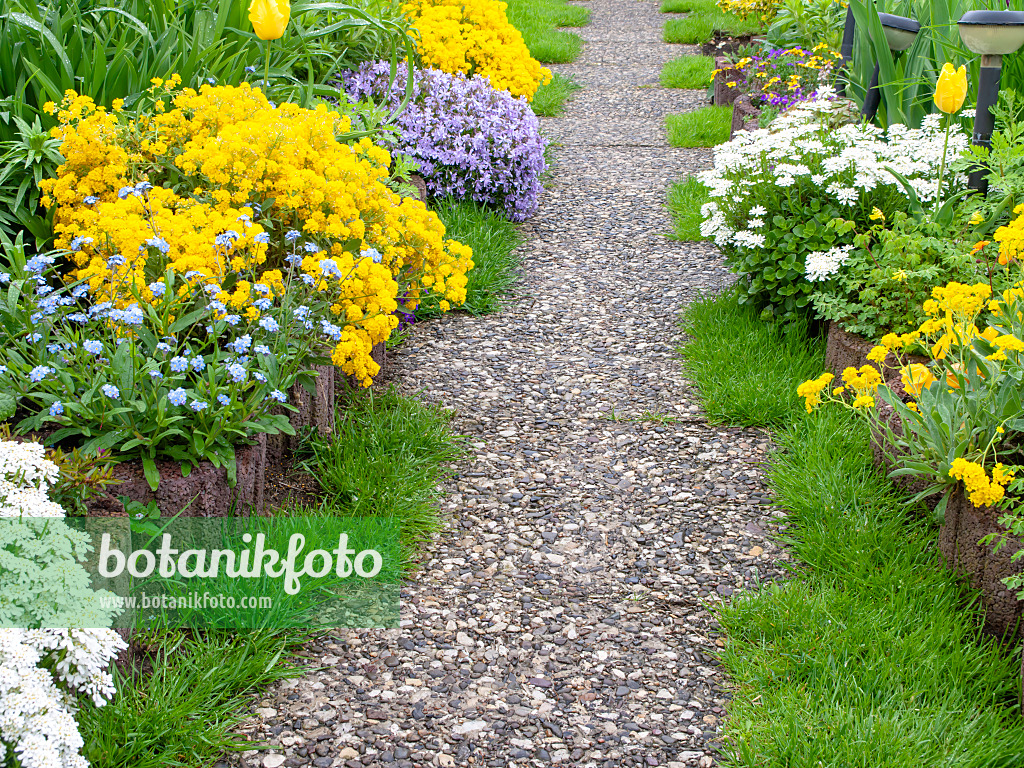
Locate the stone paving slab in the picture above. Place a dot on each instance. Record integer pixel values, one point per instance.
(566, 614)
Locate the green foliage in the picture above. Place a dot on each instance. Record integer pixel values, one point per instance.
(184, 713)
(685, 199)
(24, 162)
(8, 406)
(747, 371)
(806, 23)
(688, 72)
(888, 277)
(776, 275)
(550, 99)
(704, 127)
(387, 457)
(907, 83)
(495, 242)
(539, 20)
(1004, 161)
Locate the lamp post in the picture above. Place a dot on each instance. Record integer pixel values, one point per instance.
(846, 48)
(899, 34)
(992, 35)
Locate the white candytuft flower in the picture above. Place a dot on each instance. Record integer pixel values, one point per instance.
(821, 265)
(43, 671)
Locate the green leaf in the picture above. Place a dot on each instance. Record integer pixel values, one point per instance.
(151, 472)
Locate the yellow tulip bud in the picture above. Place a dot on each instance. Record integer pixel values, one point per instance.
(951, 90)
(269, 18)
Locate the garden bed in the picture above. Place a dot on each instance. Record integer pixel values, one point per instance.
(848, 350)
(744, 116)
(728, 84)
(960, 544)
(721, 44)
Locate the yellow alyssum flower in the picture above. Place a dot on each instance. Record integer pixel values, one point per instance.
(269, 18)
(877, 354)
(811, 390)
(474, 37)
(863, 401)
(864, 380)
(980, 489)
(951, 89)
(234, 150)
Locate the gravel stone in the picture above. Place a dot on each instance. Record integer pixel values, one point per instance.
(566, 615)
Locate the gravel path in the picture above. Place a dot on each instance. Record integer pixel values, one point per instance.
(567, 614)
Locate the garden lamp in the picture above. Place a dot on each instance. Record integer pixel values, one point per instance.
(992, 34)
(846, 48)
(899, 34)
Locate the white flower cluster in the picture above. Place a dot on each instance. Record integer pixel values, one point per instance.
(821, 265)
(843, 162)
(42, 671)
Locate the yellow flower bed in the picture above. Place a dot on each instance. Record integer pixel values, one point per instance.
(236, 181)
(474, 37)
(760, 9)
(967, 394)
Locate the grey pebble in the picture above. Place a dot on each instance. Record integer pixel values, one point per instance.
(598, 517)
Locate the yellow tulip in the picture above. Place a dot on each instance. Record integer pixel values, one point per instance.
(916, 377)
(269, 18)
(951, 90)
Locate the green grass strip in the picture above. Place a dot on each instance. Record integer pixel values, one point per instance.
(689, 6)
(185, 711)
(685, 199)
(688, 72)
(872, 658)
(704, 127)
(495, 242)
(747, 371)
(539, 20)
(550, 99)
(699, 27)
(386, 457)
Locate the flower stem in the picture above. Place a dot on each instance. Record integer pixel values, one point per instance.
(942, 166)
(266, 81)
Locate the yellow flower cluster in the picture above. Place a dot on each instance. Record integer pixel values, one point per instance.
(864, 382)
(1011, 237)
(811, 390)
(980, 489)
(239, 173)
(761, 9)
(474, 37)
(952, 312)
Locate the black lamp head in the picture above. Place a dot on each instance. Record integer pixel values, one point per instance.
(899, 31)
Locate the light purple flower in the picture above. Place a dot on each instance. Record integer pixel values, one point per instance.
(470, 140)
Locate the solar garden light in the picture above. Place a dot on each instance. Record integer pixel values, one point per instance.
(846, 48)
(899, 34)
(992, 34)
